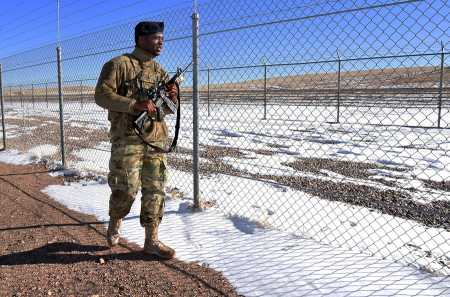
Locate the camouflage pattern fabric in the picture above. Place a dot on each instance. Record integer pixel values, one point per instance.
(117, 92)
(133, 166)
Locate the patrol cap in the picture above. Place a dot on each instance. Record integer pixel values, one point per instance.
(147, 28)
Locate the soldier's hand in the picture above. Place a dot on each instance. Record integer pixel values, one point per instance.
(172, 92)
(145, 106)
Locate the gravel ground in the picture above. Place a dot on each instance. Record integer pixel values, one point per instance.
(49, 250)
(442, 185)
(348, 168)
(397, 202)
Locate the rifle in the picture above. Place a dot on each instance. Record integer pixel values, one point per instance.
(158, 96)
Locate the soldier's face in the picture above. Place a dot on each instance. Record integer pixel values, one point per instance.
(152, 43)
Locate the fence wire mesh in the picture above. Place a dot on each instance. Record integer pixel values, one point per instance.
(324, 119)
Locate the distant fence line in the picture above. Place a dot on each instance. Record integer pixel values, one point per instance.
(303, 91)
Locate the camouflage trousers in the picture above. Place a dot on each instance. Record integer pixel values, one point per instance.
(134, 166)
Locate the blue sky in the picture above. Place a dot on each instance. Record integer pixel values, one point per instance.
(289, 31)
(27, 24)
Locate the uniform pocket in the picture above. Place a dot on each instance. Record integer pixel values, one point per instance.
(125, 166)
(154, 173)
(161, 133)
(163, 169)
(118, 175)
(157, 132)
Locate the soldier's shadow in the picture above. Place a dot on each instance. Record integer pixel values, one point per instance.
(68, 253)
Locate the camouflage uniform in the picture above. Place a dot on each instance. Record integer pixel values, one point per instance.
(133, 164)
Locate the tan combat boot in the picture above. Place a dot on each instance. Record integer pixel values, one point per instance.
(155, 247)
(113, 233)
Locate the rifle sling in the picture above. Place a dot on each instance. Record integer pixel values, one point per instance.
(177, 130)
(177, 125)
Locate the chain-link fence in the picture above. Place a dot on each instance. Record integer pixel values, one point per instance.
(325, 119)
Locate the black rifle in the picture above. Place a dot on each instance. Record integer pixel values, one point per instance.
(158, 96)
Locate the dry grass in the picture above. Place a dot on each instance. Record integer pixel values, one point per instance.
(422, 77)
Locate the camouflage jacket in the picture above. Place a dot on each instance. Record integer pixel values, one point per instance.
(116, 91)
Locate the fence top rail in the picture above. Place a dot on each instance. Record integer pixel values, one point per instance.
(326, 61)
(290, 20)
(319, 89)
(50, 82)
(442, 52)
(29, 66)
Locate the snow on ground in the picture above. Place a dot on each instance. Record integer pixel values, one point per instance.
(300, 131)
(265, 237)
(44, 150)
(335, 223)
(34, 154)
(92, 160)
(12, 131)
(261, 261)
(15, 157)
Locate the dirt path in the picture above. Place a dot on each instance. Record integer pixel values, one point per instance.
(49, 250)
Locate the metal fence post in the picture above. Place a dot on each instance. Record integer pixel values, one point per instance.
(2, 110)
(46, 93)
(61, 113)
(81, 93)
(441, 79)
(208, 92)
(32, 94)
(265, 91)
(21, 97)
(195, 154)
(338, 89)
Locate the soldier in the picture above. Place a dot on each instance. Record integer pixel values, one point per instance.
(134, 164)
